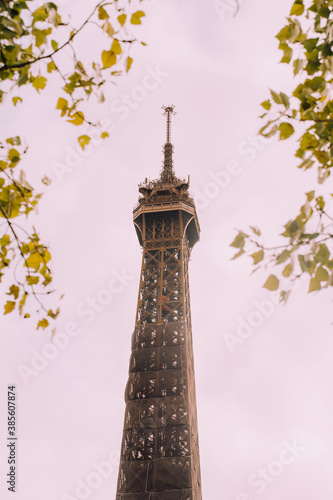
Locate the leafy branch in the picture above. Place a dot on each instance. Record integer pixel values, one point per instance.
(307, 44)
(29, 55)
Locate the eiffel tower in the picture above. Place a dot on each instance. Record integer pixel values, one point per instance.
(160, 449)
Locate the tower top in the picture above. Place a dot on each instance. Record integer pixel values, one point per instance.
(168, 193)
(167, 186)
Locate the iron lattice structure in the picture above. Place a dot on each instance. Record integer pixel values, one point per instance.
(160, 449)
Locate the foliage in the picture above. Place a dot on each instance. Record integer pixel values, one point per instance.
(34, 40)
(307, 44)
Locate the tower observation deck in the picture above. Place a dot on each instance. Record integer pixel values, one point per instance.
(160, 449)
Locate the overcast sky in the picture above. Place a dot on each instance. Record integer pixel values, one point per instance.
(264, 403)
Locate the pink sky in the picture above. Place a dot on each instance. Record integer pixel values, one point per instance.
(273, 392)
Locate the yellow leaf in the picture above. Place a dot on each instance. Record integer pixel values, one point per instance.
(39, 82)
(22, 303)
(116, 47)
(51, 67)
(62, 104)
(107, 28)
(287, 271)
(32, 280)
(16, 100)
(104, 134)
(272, 283)
(128, 63)
(109, 58)
(34, 261)
(77, 118)
(14, 290)
(102, 14)
(42, 323)
(9, 307)
(84, 140)
(122, 19)
(136, 17)
(314, 285)
(257, 257)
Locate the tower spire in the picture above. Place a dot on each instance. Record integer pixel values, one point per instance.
(167, 174)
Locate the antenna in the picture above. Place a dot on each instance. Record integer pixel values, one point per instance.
(168, 111)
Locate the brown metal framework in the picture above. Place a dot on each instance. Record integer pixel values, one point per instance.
(160, 450)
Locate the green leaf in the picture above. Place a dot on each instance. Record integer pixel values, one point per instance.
(322, 274)
(102, 14)
(287, 52)
(314, 285)
(84, 140)
(286, 130)
(16, 100)
(46, 180)
(276, 97)
(272, 283)
(266, 105)
(287, 270)
(136, 17)
(5, 240)
(122, 19)
(9, 306)
(310, 195)
(285, 100)
(54, 44)
(51, 67)
(109, 58)
(298, 8)
(52, 314)
(62, 104)
(255, 230)
(306, 164)
(239, 241)
(258, 257)
(323, 254)
(13, 155)
(14, 141)
(298, 66)
(283, 257)
(238, 254)
(39, 82)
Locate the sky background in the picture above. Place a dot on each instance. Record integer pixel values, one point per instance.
(274, 390)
